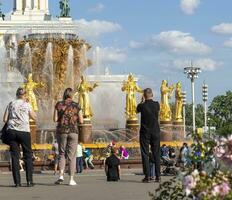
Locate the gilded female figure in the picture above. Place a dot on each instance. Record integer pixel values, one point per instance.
(130, 87)
(29, 86)
(178, 103)
(166, 94)
(83, 90)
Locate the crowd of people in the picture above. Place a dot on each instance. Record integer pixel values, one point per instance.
(67, 115)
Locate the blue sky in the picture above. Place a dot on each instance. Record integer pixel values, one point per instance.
(157, 38)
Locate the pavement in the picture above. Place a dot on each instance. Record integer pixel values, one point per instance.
(92, 185)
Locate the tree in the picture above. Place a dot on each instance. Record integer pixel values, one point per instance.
(199, 111)
(220, 112)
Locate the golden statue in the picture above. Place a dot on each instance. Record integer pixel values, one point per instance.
(166, 94)
(83, 90)
(178, 103)
(130, 87)
(29, 86)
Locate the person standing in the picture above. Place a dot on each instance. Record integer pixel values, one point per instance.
(79, 159)
(149, 133)
(17, 116)
(67, 114)
(55, 149)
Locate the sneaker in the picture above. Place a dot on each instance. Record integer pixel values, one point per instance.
(146, 180)
(60, 180)
(157, 179)
(72, 183)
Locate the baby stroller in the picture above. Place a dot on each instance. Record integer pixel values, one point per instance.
(168, 163)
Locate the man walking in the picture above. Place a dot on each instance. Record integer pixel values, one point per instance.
(149, 133)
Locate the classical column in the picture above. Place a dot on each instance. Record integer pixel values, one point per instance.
(46, 7)
(42, 5)
(18, 5)
(28, 5)
(36, 5)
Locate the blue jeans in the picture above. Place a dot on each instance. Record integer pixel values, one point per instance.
(79, 164)
(152, 169)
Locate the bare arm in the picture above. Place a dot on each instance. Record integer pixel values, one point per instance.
(6, 114)
(80, 115)
(106, 169)
(119, 171)
(55, 115)
(32, 115)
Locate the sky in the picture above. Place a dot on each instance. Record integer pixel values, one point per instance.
(156, 39)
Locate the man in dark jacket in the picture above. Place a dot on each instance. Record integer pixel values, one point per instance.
(149, 133)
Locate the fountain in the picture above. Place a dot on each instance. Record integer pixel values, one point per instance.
(52, 51)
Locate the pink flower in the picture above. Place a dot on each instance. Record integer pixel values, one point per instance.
(220, 151)
(189, 183)
(221, 190)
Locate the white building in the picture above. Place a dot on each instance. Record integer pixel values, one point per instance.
(33, 16)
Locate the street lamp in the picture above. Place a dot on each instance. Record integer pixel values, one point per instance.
(209, 125)
(205, 99)
(192, 74)
(184, 112)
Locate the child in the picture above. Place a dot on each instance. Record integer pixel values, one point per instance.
(88, 157)
(55, 150)
(112, 166)
(79, 158)
(124, 153)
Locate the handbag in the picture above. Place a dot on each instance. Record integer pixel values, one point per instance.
(4, 136)
(4, 133)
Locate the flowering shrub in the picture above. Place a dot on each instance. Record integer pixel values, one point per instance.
(208, 178)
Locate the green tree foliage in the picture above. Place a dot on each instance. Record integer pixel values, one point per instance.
(199, 110)
(221, 113)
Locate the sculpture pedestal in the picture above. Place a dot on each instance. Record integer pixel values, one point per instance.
(33, 132)
(166, 133)
(85, 132)
(132, 133)
(178, 129)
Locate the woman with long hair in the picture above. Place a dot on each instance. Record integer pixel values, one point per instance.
(17, 116)
(67, 114)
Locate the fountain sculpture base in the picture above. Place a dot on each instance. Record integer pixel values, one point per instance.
(33, 129)
(166, 131)
(133, 130)
(172, 131)
(85, 132)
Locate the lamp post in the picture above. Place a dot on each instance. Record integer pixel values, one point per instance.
(192, 74)
(209, 125)
(184, 112)
(205, 99)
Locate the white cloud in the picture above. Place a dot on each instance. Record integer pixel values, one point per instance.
(96, 28)
(179, 42)
(206, 64)
(223, 28)
(135, 45)
(98, 8)
(189, 6)
(228, 43)
(108, 55)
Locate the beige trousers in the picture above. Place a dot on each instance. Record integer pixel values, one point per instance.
(67, 149)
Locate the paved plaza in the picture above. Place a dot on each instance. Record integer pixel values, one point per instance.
(91, 185)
